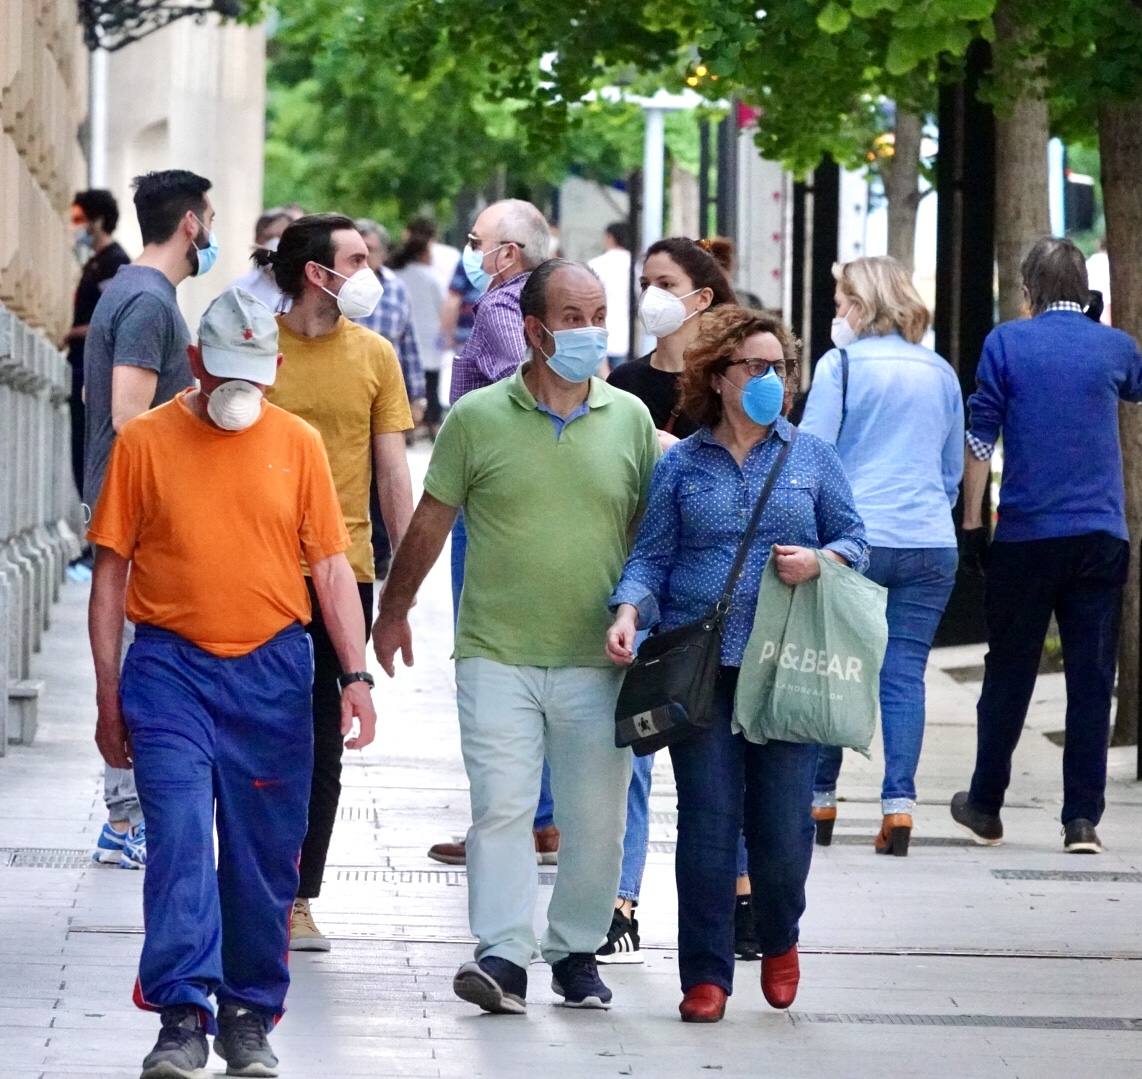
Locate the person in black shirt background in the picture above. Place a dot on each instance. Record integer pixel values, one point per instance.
(95, 216)
(680, 279)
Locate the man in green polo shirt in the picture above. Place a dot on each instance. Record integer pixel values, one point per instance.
(551, 468)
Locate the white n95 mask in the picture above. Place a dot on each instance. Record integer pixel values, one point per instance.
(234, 405)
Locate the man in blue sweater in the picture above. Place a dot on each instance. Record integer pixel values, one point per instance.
(1051, 384)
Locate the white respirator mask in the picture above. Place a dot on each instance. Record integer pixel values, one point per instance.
(234, 405)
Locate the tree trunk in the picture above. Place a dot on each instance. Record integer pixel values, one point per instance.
(901, 176)
(1120, 149)
(1022, 212)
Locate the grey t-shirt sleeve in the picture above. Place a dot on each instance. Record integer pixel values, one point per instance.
(144, 333)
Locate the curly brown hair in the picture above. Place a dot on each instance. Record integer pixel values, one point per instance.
(720, 331)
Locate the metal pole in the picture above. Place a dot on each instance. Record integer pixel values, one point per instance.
(653, 175)
(703, 177)
(634, 210)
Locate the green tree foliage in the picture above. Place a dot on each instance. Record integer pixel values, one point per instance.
(349, 128)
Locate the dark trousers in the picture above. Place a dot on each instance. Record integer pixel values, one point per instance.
(721, 779)
(78, 425)
(432, 412)
(1079, 579)
(328, 744)
(219, 743)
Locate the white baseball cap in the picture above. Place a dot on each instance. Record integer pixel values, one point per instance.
(238, 336)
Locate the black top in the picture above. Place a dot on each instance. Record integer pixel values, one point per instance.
(656, 389)
(97, 271)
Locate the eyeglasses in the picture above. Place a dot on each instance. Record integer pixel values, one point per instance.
(757, 367)
(477, 244)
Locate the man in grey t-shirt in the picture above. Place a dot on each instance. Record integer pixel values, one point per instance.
(135, 359)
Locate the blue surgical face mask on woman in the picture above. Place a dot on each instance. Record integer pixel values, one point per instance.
(762, 397)
(578, 352)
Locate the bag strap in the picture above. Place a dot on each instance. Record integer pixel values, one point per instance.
(723, 605)
(844, 389)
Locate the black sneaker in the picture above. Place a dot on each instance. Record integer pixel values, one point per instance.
(1079, 837)
(494, 984)
(746, 945)
(621, 945)
(985, 828)
(576, 979)
(241, 1042)
(181, 1051)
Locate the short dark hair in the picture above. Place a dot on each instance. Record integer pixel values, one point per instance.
(99, 205)
(266, 221)
(619, 231)
(533, 298)
(162, 198)
(422, 228)
(1054, 271)
(698, 265)
(308, 239)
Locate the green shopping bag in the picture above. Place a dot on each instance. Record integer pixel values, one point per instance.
(811, 669)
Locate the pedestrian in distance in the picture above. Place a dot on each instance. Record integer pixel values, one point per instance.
(208, 500)
(733, 385)
(894, 411)
(551, 468)
(508, 240)
(1050, 385)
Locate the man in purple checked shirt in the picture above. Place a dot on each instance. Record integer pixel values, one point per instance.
(508, 240)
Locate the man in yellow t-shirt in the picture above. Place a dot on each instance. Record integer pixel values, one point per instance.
(206, 501)
(347, 382)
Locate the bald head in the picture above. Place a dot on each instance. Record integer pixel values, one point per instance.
(561, 295)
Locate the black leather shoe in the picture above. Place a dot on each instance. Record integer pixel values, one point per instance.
(1079, 837)
(985, 828)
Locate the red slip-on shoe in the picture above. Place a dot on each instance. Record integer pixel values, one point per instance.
(780, 975)
(703, 1003)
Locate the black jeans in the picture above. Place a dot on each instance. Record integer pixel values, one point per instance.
(1079, 579)
(325, 792)
(433, 411)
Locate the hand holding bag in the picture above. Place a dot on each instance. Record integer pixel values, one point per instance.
(668, 691)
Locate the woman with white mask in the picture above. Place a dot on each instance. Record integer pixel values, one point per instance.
(894, 411)
(680, 279)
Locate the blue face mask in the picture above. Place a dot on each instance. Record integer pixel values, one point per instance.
(578, 353)
(473, 263)
(207, 256)
(762, 397)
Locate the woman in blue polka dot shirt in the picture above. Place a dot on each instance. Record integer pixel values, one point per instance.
(701, 497)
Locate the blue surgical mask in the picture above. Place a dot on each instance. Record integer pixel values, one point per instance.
(208, 255)
(473, 263)
(763, 397)
(578, 353)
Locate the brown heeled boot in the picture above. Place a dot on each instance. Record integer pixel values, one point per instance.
(824, 817)
(895, 832)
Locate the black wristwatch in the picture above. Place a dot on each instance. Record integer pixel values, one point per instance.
(349, 677)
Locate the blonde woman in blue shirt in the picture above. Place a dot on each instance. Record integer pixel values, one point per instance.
(897, 422)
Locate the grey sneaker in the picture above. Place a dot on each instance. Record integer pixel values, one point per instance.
(241, 1042)
(1079, 837)
(985, 828)
(181, 1051)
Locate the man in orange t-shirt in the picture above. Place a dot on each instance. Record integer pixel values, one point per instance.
(207, 502)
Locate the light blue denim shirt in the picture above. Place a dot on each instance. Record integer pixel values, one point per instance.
(902, 443)
(699, 505)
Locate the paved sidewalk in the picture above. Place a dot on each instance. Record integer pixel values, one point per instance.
(959, 961)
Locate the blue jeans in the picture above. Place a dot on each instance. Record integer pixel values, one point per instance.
(545, 811)
(919, 581)
(226, 744)
(724, 780)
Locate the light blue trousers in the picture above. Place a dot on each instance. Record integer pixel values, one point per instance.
(509, 718)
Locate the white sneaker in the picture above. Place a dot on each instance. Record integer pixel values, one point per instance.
(304, 936)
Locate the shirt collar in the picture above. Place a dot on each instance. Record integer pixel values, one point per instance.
(781, 428)
(1064, 305)
(598, 395)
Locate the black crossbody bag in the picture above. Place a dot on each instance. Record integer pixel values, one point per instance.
(668, 691)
